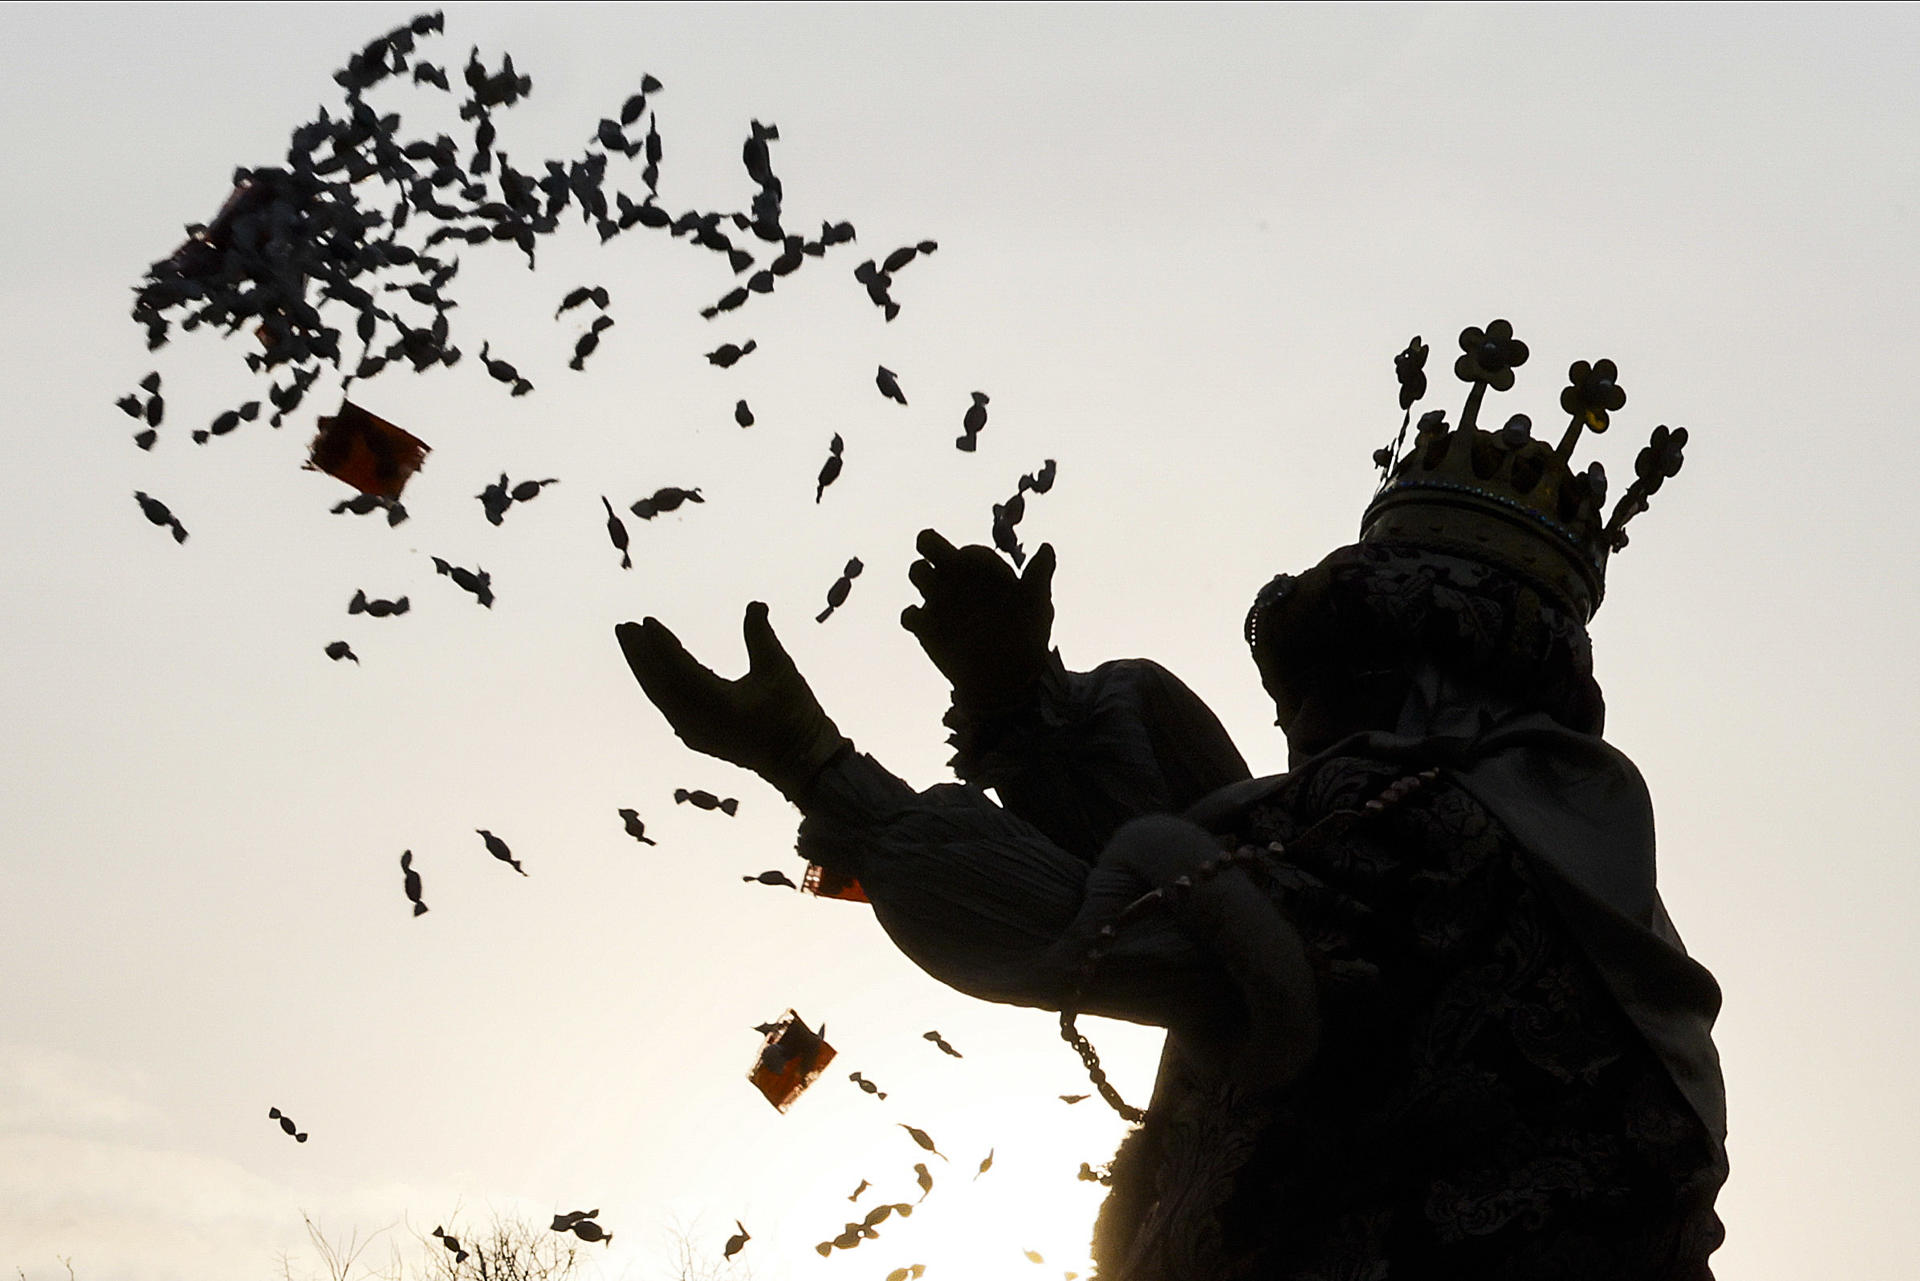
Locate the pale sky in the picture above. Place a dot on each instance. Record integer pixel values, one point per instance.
(1179, 248)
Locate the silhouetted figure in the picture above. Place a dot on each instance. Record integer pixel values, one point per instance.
(337, 650)
(889, 385)
(1425, 1013)
(737, 1241)
(742, 414)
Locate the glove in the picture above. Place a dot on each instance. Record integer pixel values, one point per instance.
(986, 629)
(768, 721)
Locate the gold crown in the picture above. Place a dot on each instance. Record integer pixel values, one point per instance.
(1502, 497)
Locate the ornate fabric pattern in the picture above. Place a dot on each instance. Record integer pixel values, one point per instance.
(1482, 1108)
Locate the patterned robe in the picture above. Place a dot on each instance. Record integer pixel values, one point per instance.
(1515, 1079)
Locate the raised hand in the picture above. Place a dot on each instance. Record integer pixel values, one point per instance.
(767, 721)
(986, 628)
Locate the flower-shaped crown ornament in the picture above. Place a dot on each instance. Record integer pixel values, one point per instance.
(1502, 497)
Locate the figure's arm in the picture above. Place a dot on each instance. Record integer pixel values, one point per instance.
(1075, 753)
(983, 901)
(980, 898)
(974, 894)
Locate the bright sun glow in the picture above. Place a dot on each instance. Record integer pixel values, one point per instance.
(1026, 1215)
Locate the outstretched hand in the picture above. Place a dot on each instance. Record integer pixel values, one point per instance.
(986, 628)
(767, 721)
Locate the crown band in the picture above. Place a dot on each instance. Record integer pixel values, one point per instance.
(1448, 516)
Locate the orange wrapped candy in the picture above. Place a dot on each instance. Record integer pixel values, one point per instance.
(366, 451)
(792, 1059)
(822, 883)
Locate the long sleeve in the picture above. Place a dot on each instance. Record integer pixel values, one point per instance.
(988, 903)
(1000, 900)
